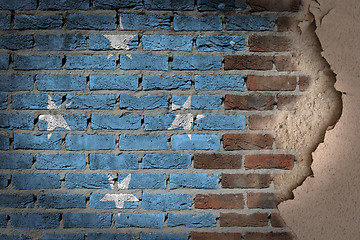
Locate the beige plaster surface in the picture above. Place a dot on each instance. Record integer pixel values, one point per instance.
(326, 205)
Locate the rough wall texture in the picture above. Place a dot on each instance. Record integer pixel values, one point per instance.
(157, 119)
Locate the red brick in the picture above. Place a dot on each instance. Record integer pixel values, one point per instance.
(287, 102)
(268, 236)
(287, 24)
(243, 220)
(262, 200)
(276, 220)
(247, 141)
(218, 201)
(215, 236)
(274, 5)
(285, 63)
(248, 62)
(304, 83)
(217, 161)
(271, 83)
(268, 161)
(258, 122)
(269, 43)
(245, 180)
(249, 102)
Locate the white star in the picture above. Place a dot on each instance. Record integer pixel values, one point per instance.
(119, 199)
(54, 120)
(120, 42)
(182, 120)
(124, 184)
(186, 105)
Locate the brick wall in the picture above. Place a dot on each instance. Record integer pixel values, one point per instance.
(144, 119)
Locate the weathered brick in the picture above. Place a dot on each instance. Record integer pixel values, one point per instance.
(60, 82)
(269, 161)
(60, 161)
(196, 180)
(274, 5)
(271, 83)
(247, 141)
(61, 42)
(35, 220)
(139, 220)
(5, 21)
(88, 181)
(67, 236)
(179, 5)
(196, 62)
(304, 83)
(118, 42)
(163, 236)
(166, 202)
(248, 62)
(191, 220)
(18, 5)
(115, 4)
(146, 102)
(198, 102)
(35, 181)
(217, 161)
(3, 104)
(245, 180)
(287, 102)
(243, 220)
(269, 43)
(151, 82)
(113, 201)
(4, 61)
(262, 200)
(219, 82)
(167, 42)
(4, 142)
(209, 43)
(22, 22)
(216, 5)
(258, 122)
(142, 181)
(91, 22)
(104, 62)
(16, 161)
(87, 220)
(89, 142)
(107, 236)
(40, 142)
(215, 236)
(249, 23)
(93, 101)
(63, 5)
(249, 102)
(3, 220)
(130, 21)
(195, 142)
(219, 201)
(166, 161)
(43, 62)
(16, 83)
(143, 142)
(4, 182)
(190, 23)
(287, 24)
(114, 82)
(268, 236)
(15, 237)
(16, 121)
(116, 122)
(144, 62)
(285, 63)
(276, 220)
(61, 201)
(113, 161)
(220, 122)
(35, 101)
(17, 201)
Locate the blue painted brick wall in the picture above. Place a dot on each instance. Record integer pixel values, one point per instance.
(63, 5)
(151, 82)
(41, 142)
(166, 161)
(143, 142)
(43, 62)
(3, 181)
(61, 42)
(196, 62)
(195, 142)
(4, 142)
(3, 220)
(191, 220)
(114, 4)
(115, 122)
(210, 43)
(22, 22)
(60, 161)
(198, 180)
(18, 5)
(4, 61)
(103, 101)
(250, 23)
(190, 23)
(61, 201)
(35, 220)
(16, 161)
(69, 236)
(131, 21)
(144, 220)
(87, 220)
(90, 62)
(34, 101)
(163, 236)
(114, 82)
(221, 122)
(15, 42)
(16, 82)
(3, 102)
(219, 82)
(91, 22)
(167, 42)
(142, 181)
(5, 21)
(60, 82)
(166, 202)
(213, 5)
(180, 5)
(102, 201)
(113, 161)
(90, 142)
(92, 181)
(17, 201)
(106, 236)
(144, 62)
(145, 102)
(35, 181)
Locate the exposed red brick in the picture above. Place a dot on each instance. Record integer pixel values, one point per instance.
(268, 236)
(258, 122)
(245, 180)
(217, 201)
(271, 83)
(251, 62)
(269, 43)
(304, 83)
(285, 63)
(268, 161)
(249, 102)
(215, 236)
(287, 24)
(243, 220)
(276, 220)
(217, 161)
(274, 5)
(262, 200)
(287, 102)
(247, 141)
